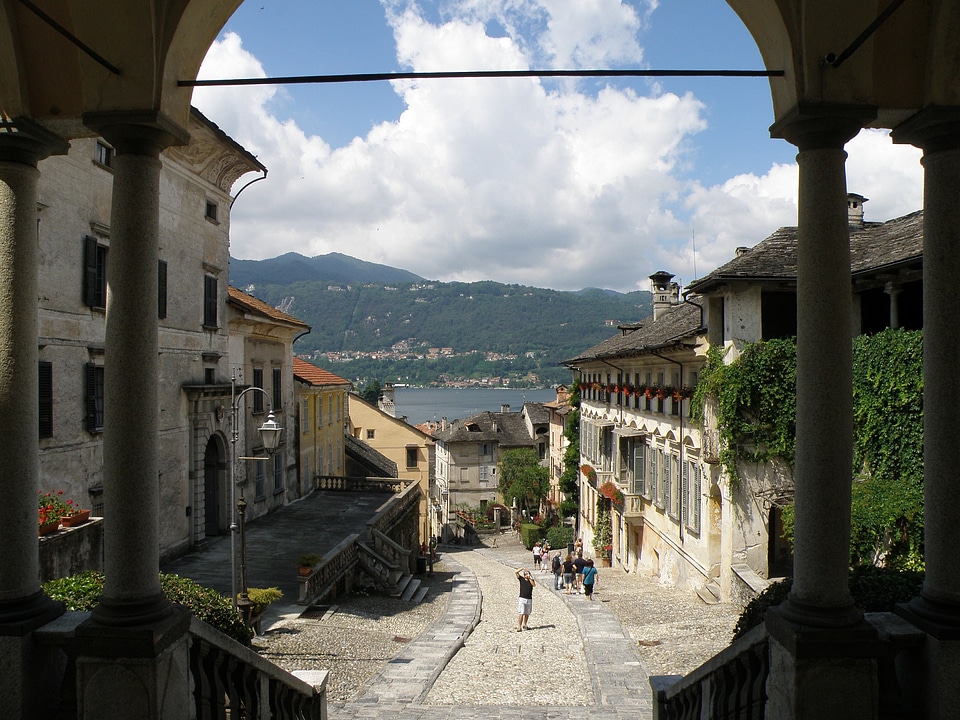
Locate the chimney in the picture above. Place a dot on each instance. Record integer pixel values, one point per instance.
(741, 251)
(666, 293)
(855, 210)
(504, 408)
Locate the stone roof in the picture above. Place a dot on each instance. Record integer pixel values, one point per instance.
(250, 304)
(676, 324)
(313, 375)
(873, 247)
(506, 429)
(378, 464)
(537, 412)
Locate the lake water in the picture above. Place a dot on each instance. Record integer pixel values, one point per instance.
(423, 404)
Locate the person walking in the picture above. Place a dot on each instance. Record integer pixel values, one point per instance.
(568, 573)
(579, 564)
(537, 552)
(525, 602)
(590, 575)
(556, 566)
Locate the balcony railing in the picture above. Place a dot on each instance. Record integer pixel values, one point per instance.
(729, 686)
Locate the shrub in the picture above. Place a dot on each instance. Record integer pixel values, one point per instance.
(260, 598)
(308, 559)
(874, 589)
(559, 537)
(529, 534)
(82, 592)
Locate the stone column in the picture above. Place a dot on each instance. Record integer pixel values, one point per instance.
(132, 661)
(936, 130)
(821, 652)
(893, 292)
(28, 681)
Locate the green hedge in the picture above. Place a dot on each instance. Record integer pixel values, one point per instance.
(529, 534)
(559, 537)
(82, 592)
(874, 589)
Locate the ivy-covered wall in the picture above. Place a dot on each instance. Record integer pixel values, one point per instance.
(755, 406)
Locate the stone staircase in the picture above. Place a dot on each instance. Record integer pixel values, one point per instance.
(410, 589)
(709, 593)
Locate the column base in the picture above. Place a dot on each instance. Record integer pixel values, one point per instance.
(119, 613)
(929, 671)
(135, 672)
(32, 674)
(821, 672)
(808, 616)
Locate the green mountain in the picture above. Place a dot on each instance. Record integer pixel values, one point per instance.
(490, 328)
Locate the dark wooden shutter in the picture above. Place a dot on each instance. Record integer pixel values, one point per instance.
(46, 399)
(209, 301)
(257, 396)
(161, 289)
(277, 389)
(90, 377)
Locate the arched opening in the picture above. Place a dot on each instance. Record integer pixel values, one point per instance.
(216, 520)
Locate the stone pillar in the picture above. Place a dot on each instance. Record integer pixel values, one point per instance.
(821, 651)
(893, 292)
(30, 677)
(132, 663)
(936, 665)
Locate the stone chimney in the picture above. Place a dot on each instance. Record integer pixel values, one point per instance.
(855, 210)
(666, 293)
(504, 408)
(387, 401)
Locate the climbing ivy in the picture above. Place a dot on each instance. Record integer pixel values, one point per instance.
(756, 416)
(570, 477)
(756, 402)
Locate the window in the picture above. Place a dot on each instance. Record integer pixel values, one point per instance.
(676, 489)
(663, 487)
(652, 476)
(484, 473)
(647, 400)
(305, 414)
(258, 396)
(694, 490)
(259, 479)
(639, 467)
(161, 289)
(277, 472)
(412, 457)
(103, 154)
(94, 398)
(209, 376)
(370, 434)
(210, 213)
(277, 389)
(210, 301)
(46, 399)
(329, 409)
(94, 273)
(464, 476)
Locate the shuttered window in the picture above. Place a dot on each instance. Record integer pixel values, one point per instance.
(258, 396)
(210, 301)
(94, 273)
(277, 389)
(46, 399)
(94, 397)
(161, 289)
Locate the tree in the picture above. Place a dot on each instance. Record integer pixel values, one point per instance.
(522, 477)
(372, 391)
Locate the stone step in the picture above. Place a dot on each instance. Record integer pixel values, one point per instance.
(421, 594)
(410, 589)
(709, 593)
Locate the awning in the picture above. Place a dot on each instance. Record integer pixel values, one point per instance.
(629, 432)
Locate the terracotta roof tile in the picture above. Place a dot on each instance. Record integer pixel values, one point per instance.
(254, 305)
(313, 375)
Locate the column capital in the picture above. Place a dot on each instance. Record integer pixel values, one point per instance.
(137, 132)
(815, 126)
(936, 127)
(24, 141)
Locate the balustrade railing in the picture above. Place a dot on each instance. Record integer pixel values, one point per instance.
(232, 681)
(359, 484)
(324, 576)
(729, 686)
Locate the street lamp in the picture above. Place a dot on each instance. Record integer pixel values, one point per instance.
(270, 433)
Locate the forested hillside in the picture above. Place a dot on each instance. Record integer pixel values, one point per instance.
(407, 319)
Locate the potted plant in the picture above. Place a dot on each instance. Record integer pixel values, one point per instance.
(260, 599)
(51, 509)
(307, 561)
(603, 537)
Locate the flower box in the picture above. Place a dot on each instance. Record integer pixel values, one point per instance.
(48, 528)
(78, 518)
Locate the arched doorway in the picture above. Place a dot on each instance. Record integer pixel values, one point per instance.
(215, 521)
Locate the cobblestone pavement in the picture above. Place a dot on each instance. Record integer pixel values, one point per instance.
(458, 654)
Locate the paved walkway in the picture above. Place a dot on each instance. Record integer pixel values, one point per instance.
(577, 661)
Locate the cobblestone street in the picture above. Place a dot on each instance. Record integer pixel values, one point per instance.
(459, 654)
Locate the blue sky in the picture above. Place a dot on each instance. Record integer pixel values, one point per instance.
(555, 183)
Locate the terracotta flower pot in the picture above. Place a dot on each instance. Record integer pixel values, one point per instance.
(48, 528)
(78, 518)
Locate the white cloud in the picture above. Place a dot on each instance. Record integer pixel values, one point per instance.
(515, 180)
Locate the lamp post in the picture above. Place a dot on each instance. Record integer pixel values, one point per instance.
(270, 433)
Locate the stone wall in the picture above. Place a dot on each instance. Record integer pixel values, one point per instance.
(72, 550)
